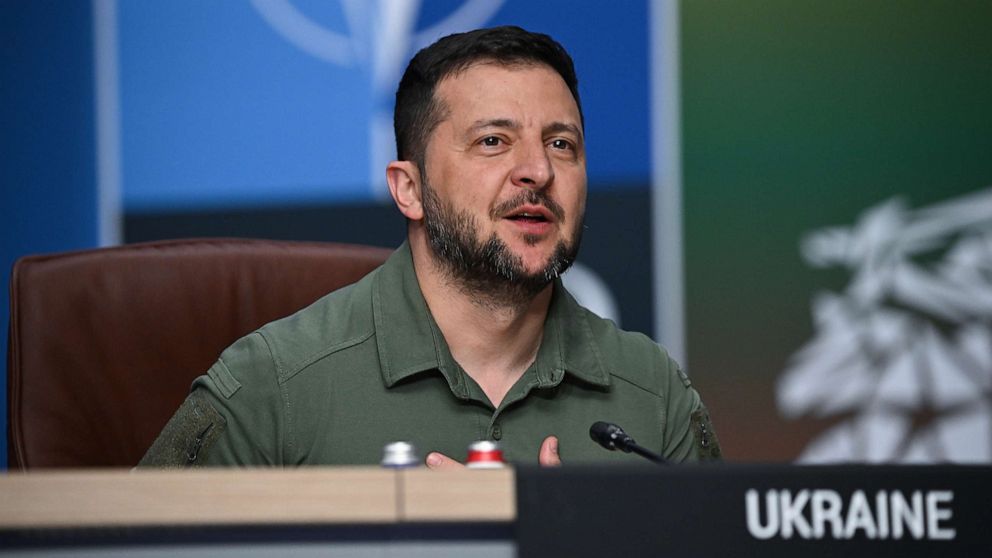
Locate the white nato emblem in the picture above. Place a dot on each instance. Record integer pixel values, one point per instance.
(902, 358)
(381, 36)
(591, 291)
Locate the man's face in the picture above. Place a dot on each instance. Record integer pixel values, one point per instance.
(505, 179)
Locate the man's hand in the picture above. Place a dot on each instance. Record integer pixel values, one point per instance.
(547, 457)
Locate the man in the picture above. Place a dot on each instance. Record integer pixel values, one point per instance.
(466, 332)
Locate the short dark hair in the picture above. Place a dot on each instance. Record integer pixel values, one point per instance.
(418, 112)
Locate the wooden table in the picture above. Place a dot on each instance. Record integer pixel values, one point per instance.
(327, 505)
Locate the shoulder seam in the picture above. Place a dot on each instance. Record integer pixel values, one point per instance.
(637, 385)
(287, 372)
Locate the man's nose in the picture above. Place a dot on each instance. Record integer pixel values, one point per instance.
(533, 168)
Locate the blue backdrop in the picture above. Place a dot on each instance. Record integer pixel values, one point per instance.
(48, 169)
(248, 103)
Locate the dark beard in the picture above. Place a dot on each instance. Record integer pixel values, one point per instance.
(488, 270)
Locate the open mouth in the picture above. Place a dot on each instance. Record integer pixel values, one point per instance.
(528, 218)
(530, 214)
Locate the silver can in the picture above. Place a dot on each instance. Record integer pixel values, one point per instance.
(400, 455)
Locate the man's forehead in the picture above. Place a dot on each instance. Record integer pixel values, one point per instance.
(511, 65)
(450, 90)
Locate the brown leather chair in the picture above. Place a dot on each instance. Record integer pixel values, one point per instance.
(105, 343)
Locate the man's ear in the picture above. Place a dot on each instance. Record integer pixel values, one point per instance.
(403, 178)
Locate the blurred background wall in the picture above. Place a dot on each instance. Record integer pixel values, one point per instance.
(837, 164)
(821, 166)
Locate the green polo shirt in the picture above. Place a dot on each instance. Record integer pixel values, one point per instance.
(367, 365)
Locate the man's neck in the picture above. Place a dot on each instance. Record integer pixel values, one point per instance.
(494, 343)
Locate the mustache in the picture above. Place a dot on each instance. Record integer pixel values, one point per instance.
(528, 197)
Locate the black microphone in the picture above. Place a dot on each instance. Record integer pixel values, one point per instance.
(612, 437)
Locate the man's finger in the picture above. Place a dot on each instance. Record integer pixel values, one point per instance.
(439, 461)
(548, 456)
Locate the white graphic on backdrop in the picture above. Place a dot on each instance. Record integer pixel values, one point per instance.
(381, 37)
(591, 291)
(903, 356)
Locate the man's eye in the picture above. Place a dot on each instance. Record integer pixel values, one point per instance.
(561, 144)
(491, 141)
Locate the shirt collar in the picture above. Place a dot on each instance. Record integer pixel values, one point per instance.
(409, 341)
(568, 345)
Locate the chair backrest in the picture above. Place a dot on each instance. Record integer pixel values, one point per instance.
(105, 343)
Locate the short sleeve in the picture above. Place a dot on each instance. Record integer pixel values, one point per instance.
(235, 414)
(689, 433)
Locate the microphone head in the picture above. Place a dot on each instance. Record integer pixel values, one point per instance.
(610, 436)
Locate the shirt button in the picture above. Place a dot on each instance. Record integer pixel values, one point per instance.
(497, 432)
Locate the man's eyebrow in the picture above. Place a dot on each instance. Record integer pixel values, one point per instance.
(559, 127)
(553, 128)
(495, 123)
